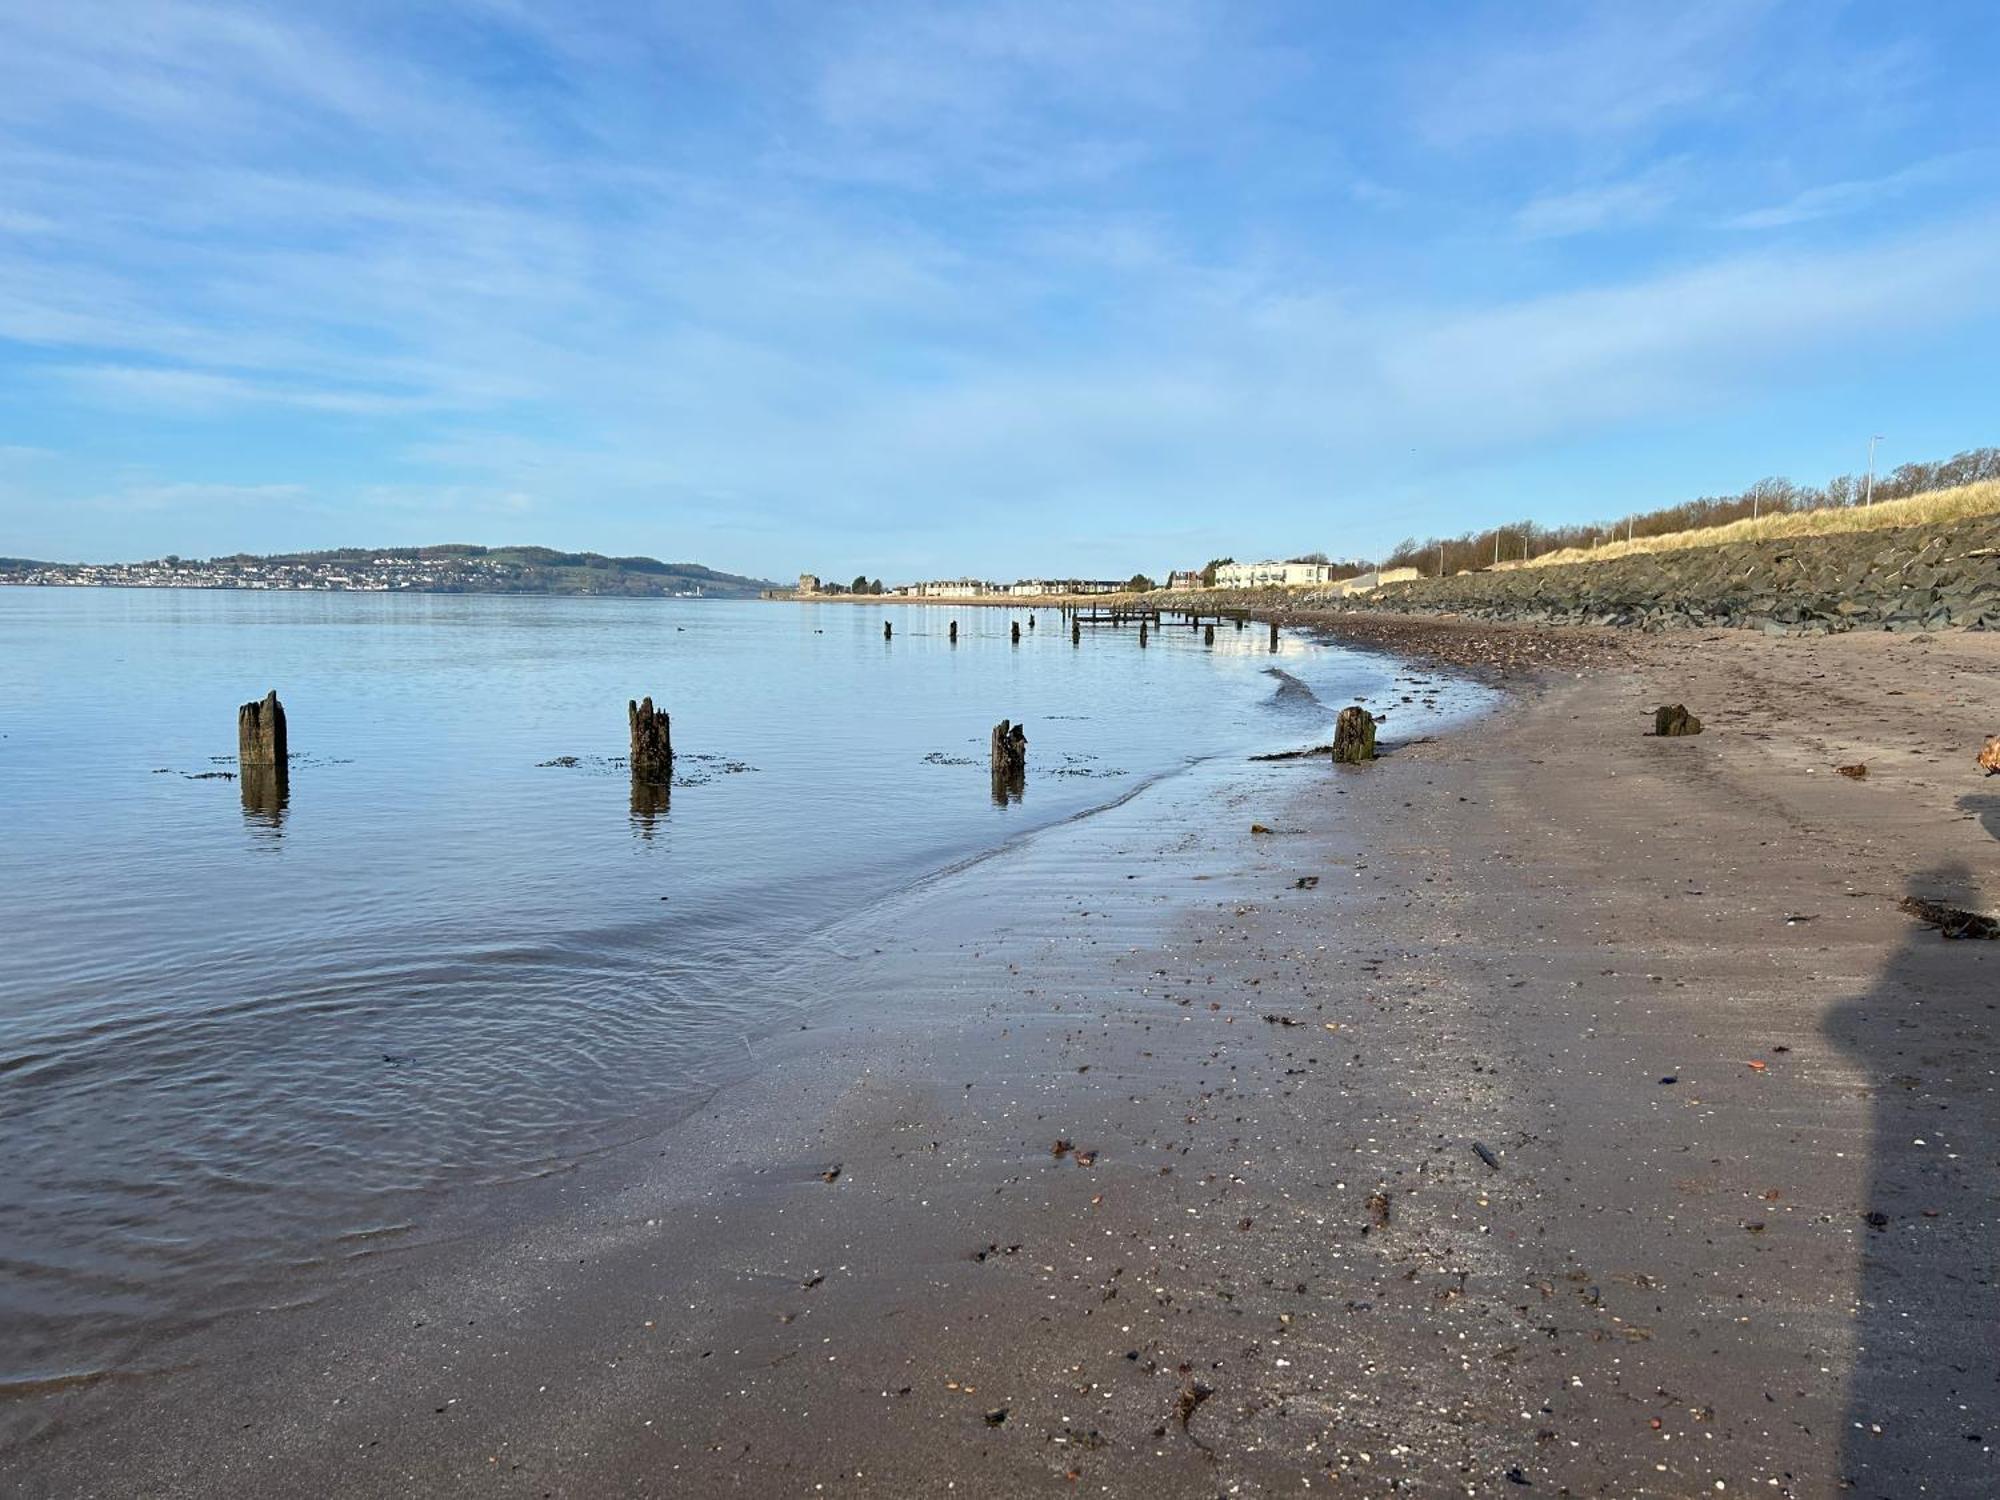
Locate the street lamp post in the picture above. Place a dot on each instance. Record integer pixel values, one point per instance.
(1871, 468)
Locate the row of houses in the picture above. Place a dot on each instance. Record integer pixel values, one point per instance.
(983, 588)
(1257, 575)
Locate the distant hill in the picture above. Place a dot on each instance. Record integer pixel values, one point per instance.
(454, 568)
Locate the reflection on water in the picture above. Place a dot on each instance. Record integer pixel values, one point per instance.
(649, 805)
(1010, 784)
(267, 793)
(467, 967)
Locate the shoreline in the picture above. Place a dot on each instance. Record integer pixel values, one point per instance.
(1282, 1261)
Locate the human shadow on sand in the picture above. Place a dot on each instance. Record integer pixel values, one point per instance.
(1984, 808)
(1923, 1401)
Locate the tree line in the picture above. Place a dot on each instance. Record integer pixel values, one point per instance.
(1479, 549)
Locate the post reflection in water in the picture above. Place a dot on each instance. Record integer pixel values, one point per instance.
(267, 796)
(1009, 785)
(649, 805)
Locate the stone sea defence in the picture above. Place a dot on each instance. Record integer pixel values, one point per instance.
(1911, 578)
(1915, 578)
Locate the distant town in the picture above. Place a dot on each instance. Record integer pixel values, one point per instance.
(1223, 573)
(451, 569)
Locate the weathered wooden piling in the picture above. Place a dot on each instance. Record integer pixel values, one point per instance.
(652, 743)
(888, 630)
(1017, 632)
(1241, 621)
(1274, 635)
(1075, 631)
(954, 632)
(1010, 749)
(1673, 719)
(1354, 736)
(260, 736)
(1208, 635)
(1142, 635)
(1031, 622)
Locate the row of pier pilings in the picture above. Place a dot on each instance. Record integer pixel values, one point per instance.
(263, 753)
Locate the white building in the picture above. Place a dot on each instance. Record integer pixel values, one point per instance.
(1261, 575)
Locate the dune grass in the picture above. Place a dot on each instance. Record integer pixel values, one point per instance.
(1981, 499)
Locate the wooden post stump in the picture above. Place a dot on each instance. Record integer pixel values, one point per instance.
(1674, 719)
(1010, 748)
(1010, 762)
(1208, 635)
(652, 743)
(260, 736)
(1142, 635)
(1274, 635)
(1017, 632)
(1075, 631)
(888, 630)
(954, 632)
(1354, 736)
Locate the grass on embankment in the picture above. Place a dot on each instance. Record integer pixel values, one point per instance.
(1981, 499)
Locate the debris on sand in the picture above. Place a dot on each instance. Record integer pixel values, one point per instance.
(1191, 1396)
(1855, 772)
(1378, 1210)
(1485, 1154)
(1949, 920)
(1671, 720)
(1989, 756)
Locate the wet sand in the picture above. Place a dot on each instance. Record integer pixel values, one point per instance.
(1150, 1165)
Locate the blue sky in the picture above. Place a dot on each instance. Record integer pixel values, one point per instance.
(1004, 288)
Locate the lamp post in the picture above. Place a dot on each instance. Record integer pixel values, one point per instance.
(1871, 468)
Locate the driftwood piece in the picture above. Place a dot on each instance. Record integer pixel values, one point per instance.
(1354, 736)
(1949, 920)
(260, 735)
(1673, 719)
(652, 743)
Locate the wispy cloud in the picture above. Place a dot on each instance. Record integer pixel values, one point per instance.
(1828, 200)
(1618, 204)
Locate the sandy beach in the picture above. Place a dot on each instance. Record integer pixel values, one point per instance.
(1545, 1108)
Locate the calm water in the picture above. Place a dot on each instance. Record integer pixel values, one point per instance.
(237, 1036)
